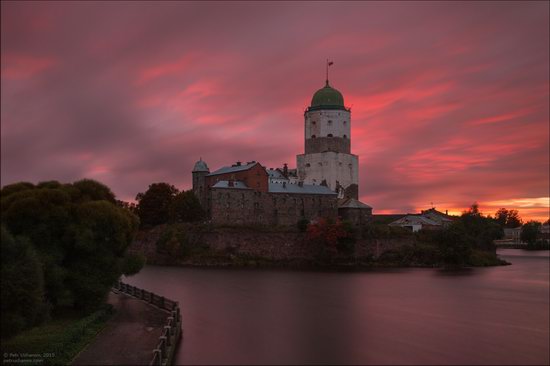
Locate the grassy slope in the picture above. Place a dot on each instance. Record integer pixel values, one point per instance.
(57, 341)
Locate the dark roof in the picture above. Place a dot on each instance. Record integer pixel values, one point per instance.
(225, 184)
(386, 218)
(234, 168)
(352, 203)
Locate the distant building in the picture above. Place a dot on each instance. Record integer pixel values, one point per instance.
(415, 222)
(512, 235)
(428, 220)
(442, 219)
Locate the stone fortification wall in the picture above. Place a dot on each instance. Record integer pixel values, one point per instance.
(274, 246)
(246, 206)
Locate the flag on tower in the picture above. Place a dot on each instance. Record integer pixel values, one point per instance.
(330, 63)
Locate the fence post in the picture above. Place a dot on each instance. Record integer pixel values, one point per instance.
(162, 302)
(157, 355)
(163, 344)
(167, 335)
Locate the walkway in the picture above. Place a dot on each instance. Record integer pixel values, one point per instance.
(129, 337)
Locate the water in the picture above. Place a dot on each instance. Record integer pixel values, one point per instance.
(496, 315)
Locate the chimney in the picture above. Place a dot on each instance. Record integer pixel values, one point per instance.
(285, 170)
(447, 212)
(238, 163)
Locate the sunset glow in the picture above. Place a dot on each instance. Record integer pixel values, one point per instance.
(449, 99)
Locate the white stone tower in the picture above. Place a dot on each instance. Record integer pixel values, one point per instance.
(328, 159)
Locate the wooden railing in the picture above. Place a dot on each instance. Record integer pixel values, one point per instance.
(171, 333)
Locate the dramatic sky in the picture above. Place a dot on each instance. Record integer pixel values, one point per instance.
(449, 100)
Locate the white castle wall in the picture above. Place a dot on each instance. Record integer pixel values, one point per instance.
(324, 122)
(332, 166)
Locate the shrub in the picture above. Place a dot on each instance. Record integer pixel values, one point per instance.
(302, 225)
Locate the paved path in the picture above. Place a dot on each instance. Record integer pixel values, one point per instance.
(129, 336)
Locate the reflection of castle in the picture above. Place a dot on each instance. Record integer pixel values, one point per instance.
(325, 184)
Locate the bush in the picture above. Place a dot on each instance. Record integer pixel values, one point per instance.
(302, 225)
(133, 263)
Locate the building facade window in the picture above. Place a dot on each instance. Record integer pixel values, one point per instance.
(329, 135)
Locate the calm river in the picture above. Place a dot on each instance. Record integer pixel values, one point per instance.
(497, 315)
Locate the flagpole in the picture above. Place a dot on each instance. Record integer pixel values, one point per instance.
(327, 71)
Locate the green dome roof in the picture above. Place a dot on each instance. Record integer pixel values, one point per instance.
(327, 97)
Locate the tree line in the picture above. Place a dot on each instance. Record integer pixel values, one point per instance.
(162, 203)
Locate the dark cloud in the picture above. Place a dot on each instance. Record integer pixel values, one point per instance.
(449, 99)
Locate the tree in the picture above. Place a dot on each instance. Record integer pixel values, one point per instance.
(454, 245)
(530, 232)
(22, 286)
(186, 207)
(153, 207)
(78, 234)
(481, 230)
(508, 218)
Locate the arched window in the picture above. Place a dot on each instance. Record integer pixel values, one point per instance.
(344, 123)
(313, 136)
(329, 122)
(345, 136)
(329, 135)
(308, 165)
(313, 123)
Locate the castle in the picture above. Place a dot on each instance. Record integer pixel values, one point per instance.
(324, 185)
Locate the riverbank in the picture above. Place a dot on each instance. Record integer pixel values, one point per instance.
(195, 246)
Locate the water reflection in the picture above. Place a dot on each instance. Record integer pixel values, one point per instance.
(496, 315)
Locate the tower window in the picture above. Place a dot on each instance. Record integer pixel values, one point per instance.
(313, 136)
(308, 165)
(329, 122)
(313, 123)
(329, 135)
(344, 123)
(345, 136)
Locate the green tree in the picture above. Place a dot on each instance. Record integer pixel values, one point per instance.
(22, 285)
(530, 232)
(186, 207)
(454, 245)
(481, 230)
(508, 218)
(153, 207)
(78, 233)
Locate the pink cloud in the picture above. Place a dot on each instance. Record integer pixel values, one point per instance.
(19, 66)
(449, 103)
